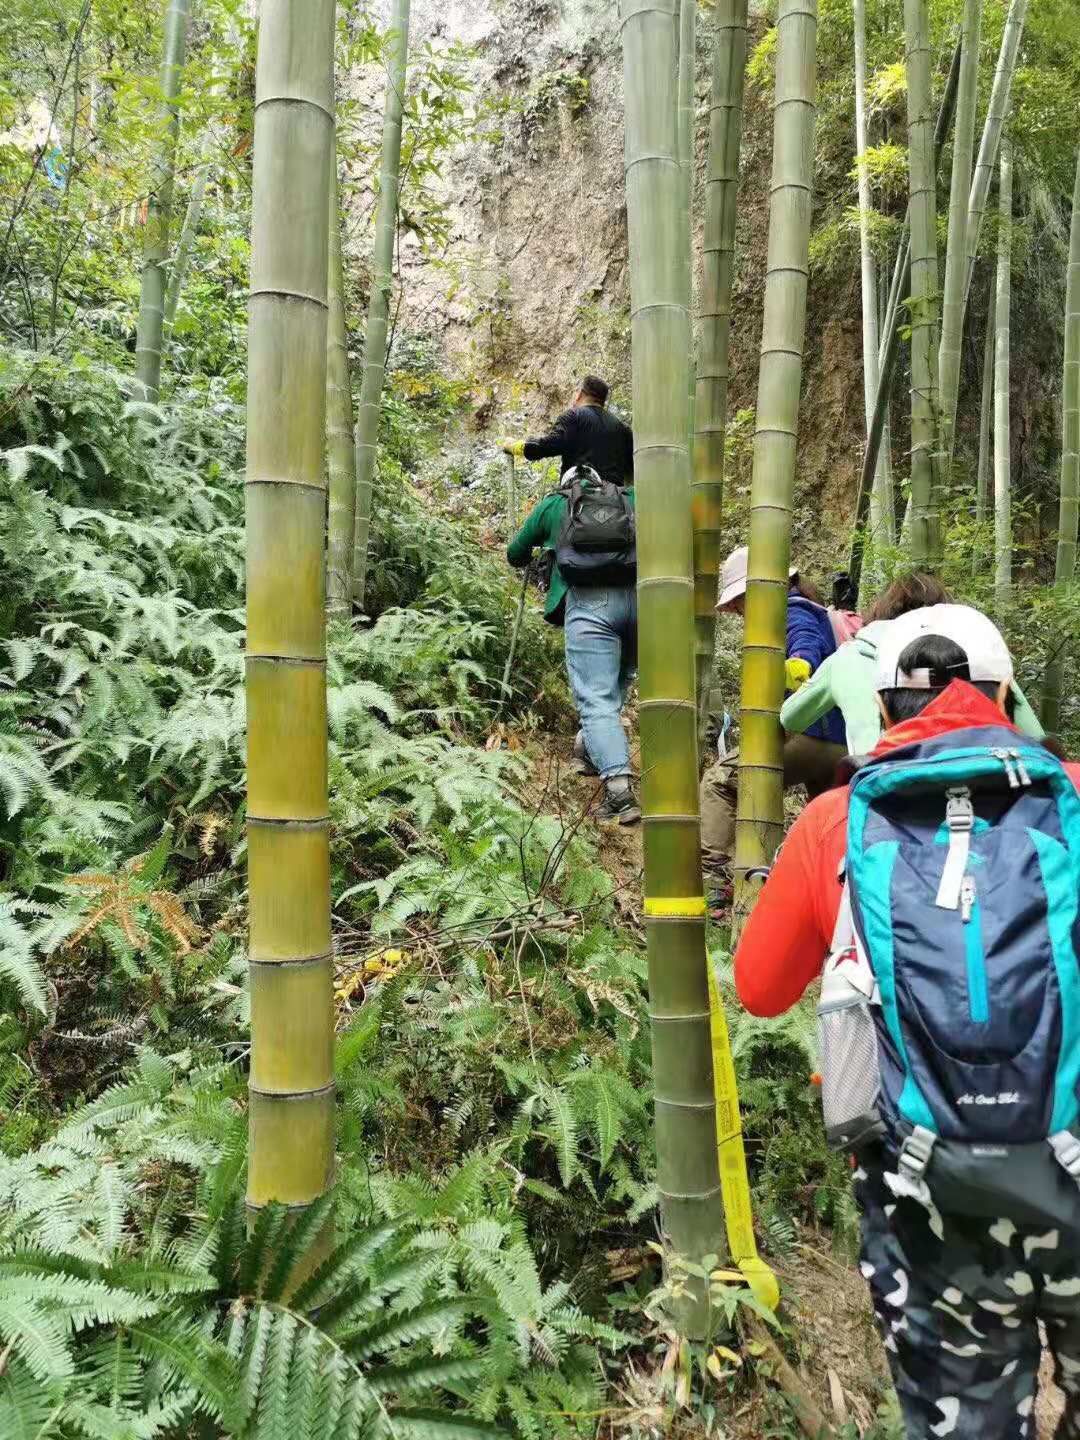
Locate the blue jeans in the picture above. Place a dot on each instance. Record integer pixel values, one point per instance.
(601, 657)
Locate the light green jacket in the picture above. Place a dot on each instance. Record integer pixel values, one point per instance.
(846, 679)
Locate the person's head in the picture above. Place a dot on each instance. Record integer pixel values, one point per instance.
(907, 592)
(733, 578)
(592, 391)
(924, 651)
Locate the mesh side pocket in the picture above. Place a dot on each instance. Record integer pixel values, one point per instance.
(850, 1077)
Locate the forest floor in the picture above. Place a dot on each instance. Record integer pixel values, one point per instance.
(826, 1306)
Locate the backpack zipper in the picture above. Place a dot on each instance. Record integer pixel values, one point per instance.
(978, 992)
(1021, 768)
(1005, 756)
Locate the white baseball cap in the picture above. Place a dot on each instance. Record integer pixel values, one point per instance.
(733, 576)
(988, 657)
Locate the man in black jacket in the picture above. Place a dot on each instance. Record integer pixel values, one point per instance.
(586, 434)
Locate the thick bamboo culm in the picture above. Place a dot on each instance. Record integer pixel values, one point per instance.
(881, 500)
(714, 331)
(1002, 428)
(687, 1172)
(340, 451)
(151, 323)
(760, 820)
(926, 539)
(952, 302)
(292, 1075)
(378, 318)
(1069, 502)
(990, 143)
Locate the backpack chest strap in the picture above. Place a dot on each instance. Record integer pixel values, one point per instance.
(959, 821)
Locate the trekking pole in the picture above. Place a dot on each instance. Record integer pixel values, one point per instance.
(513, 646)
(511, 496)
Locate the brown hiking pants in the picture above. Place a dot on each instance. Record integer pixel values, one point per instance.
(807, 762)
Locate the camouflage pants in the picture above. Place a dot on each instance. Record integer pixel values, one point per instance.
(959, 1302)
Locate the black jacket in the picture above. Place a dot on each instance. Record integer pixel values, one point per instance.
(589, 435)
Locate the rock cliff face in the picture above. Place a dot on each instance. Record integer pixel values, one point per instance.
(533, 288)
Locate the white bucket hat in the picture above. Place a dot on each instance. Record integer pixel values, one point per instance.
(733, 576)
(982, 642)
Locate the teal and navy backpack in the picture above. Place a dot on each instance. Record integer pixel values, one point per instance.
(950, 1007)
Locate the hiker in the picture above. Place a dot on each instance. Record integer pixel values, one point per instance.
(809, 759)
(587, 526)
(845, 679)
(586, 434)
(949, 1023)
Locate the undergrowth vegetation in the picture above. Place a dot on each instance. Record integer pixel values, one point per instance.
(491, 1000)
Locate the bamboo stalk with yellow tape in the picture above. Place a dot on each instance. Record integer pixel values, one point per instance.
(687, 1173)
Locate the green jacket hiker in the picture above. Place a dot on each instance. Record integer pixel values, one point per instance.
(540, 532)
(846, 680)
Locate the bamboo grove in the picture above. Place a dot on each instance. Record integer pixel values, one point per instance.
(271, 716)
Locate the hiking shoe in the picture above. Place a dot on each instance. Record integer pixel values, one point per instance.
(619, 803)
(582, 765)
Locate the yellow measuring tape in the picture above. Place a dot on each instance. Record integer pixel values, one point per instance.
(730, 1152)
(734, 1180)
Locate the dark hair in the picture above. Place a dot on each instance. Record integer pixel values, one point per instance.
(908, 592)
(806, 590)
(595, 388)
(946, 662)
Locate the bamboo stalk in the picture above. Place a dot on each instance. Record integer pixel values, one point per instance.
(1069, 504)
(986, 412)
(292, 1077)
(890, 342)
(340, 452)
(687, 160)
(952, 305)
(881, 504)
(1002, 438)
(990, 143)
(926, 540)
(186, 243)
(151, 322)
(714, 331)
(687, 1171)
(760, 818)
(374, 374)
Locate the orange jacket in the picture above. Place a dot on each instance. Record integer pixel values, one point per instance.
(787, 937)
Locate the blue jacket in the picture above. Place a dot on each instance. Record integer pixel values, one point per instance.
(810, 637)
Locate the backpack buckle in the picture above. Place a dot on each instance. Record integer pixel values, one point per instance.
(1066, 1148)
(959, 811)
(917, 1150)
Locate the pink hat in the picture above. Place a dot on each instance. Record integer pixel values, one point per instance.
(733, 576)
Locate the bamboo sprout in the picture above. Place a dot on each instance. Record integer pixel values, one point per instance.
(1002, 438)
(760, 819)
(340, 453)
(186, 244)
(925, 499)
(1065, 569)
(991, 137)
(714, 330)
(687, 1171)
(156, 240)
(952, 305)
(881, 504)
(371, 385)
(292, 1030)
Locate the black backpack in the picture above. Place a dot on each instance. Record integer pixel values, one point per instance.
(597, 540)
